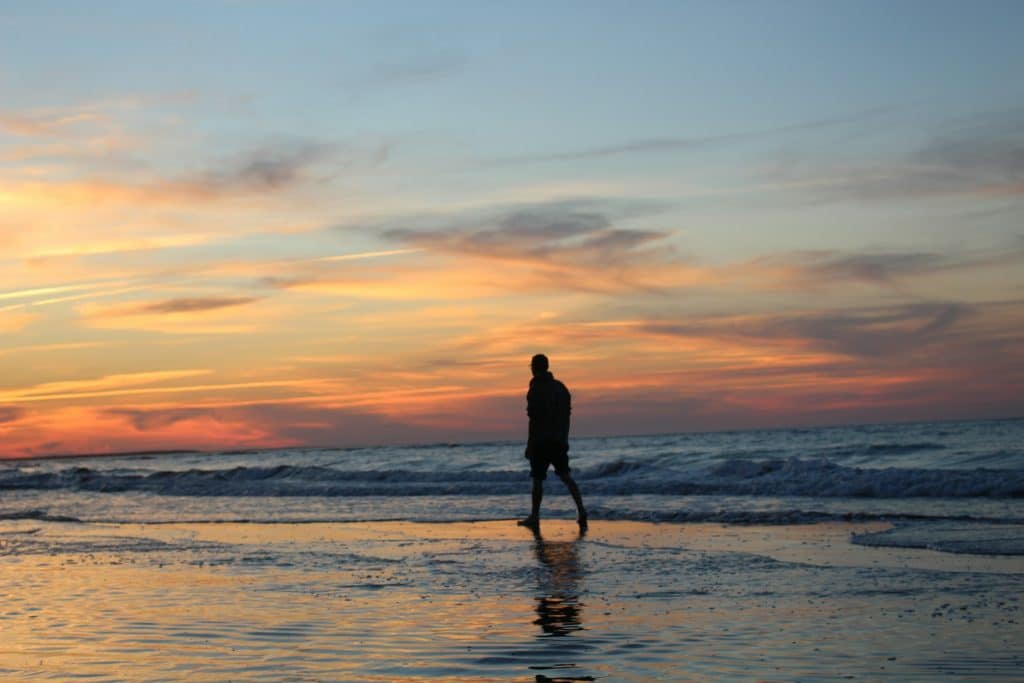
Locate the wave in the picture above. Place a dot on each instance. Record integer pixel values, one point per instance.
(895, 448)
(37, 515)
(597, 511)
(737, 476)
(796, 477)
(968, 537)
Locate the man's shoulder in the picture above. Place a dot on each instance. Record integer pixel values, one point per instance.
(546, 385)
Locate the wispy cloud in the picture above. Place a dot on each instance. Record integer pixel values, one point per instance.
(119, 245)
(538, 233)
(682, 144)
(50, 348)
(46, 291)
(133, 384)
(568, 245)
(54, 300)
(268, 169)
(155, 419)
(10, 414)
(263, 171)
(87, 387)
(48, 122)
(183, 315)
(865, 332)
(193, 305)
(949, 340)
(413, 69)
(14, 321)
(357, 256)
(982, 156)
(818, 268)
(577, 246)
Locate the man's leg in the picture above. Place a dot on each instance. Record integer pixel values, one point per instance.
(536, 496)
(581, 512)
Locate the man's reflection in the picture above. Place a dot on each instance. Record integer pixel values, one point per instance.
(559, 611)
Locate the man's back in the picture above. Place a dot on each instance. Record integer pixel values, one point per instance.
(549, 404)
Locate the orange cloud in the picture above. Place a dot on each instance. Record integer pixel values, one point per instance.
(13, 321)
(104, 385)
(182, 315)
(47, 122)
(80, 429)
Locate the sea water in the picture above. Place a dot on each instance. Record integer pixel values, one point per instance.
(947, 484)
(881, 552)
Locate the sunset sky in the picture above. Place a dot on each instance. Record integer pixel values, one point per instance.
(258, 224)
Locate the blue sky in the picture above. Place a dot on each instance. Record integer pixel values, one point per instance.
(226, 220)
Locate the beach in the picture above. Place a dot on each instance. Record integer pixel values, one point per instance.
(490, 601)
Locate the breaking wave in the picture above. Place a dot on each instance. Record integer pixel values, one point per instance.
(735, 476)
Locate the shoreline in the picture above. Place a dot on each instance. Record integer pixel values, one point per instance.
(826, 544)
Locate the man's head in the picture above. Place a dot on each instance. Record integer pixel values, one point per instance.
(539, 364)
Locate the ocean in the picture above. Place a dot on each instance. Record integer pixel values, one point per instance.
(872, 552)
(921, 475)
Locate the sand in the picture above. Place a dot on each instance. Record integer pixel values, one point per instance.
(394, 601)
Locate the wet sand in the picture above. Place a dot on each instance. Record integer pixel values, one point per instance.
(393, 601)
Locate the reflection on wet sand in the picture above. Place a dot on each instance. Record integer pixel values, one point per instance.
(559, 611)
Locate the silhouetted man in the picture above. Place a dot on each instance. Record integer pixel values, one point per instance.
(548, 403)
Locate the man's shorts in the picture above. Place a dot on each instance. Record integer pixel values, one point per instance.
(553, 454)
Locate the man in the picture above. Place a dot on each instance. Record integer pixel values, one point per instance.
(548, 404)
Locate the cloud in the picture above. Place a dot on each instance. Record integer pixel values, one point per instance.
(10, 414)
(566, 247)
(415, 69)
(116, 385)
(982, 156)
(872, 267)
(193, 305)
(47, 122)
(87, 136)
(356, 256)
(881, 267)
(149, 420)
(263, 171)
(869, 332)
(562, 232)
(266, 169)
(46, 291)
(88, 429)
(51, 348)
(677, 144)
(270, 423)
(987, 156)
(14, 321)
(199, 315)
(97, 386)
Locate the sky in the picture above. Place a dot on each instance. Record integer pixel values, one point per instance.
(230, 224)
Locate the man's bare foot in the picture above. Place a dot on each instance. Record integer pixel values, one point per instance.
(531, 522)
(582, 521)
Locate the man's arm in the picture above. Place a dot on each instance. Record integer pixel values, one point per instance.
(531, 413)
